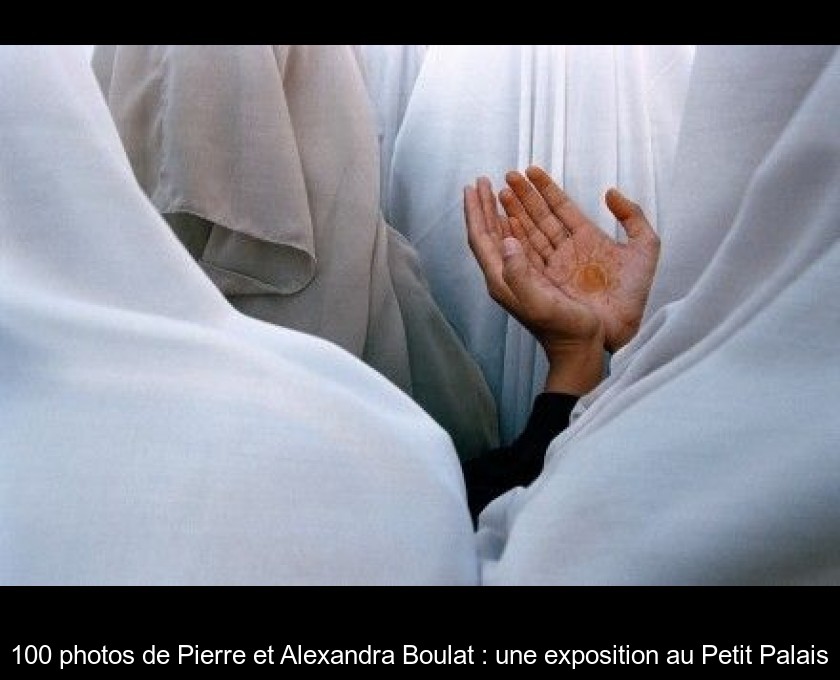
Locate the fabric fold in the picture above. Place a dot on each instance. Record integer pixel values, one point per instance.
(181, 111)
(264, 160)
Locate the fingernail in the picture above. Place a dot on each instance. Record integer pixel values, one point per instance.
(510, 246)
(618, 196)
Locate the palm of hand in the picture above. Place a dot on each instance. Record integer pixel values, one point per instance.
(611, 279)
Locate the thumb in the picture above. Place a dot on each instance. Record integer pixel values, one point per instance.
(631, 216)
(517, 273)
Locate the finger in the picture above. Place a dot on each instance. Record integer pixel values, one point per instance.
(504, 223)
(558, 200)
(478, 235)
(485, 247)
(632, 218)
(514, 208)
(536, 207)
(518, 232)
(489, 207)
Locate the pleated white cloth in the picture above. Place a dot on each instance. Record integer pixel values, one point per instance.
(710, 456)
(593, 116)
(151, 434)
(264, 160)
(390, 72)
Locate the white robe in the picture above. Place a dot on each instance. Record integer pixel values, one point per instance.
(710, 455)
(593, 116)
(150, 433)
(390, 72)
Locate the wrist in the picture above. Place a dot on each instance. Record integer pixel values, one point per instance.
(575, 368)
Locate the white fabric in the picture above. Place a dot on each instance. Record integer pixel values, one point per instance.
(711, 453)
(390, 72)
(149, 433)
(593, 116)
(264, 160)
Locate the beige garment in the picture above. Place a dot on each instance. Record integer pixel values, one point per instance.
(264, 161)
(448, 385)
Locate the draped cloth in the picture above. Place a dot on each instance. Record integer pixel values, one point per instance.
(150, 433)
(265, 162)
(593, 116)
(390, 72)
(710, 455)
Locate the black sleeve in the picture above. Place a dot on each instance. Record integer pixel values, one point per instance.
(492, 473)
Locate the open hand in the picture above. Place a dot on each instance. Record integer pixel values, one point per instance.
(612, 280)
(570, 331)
